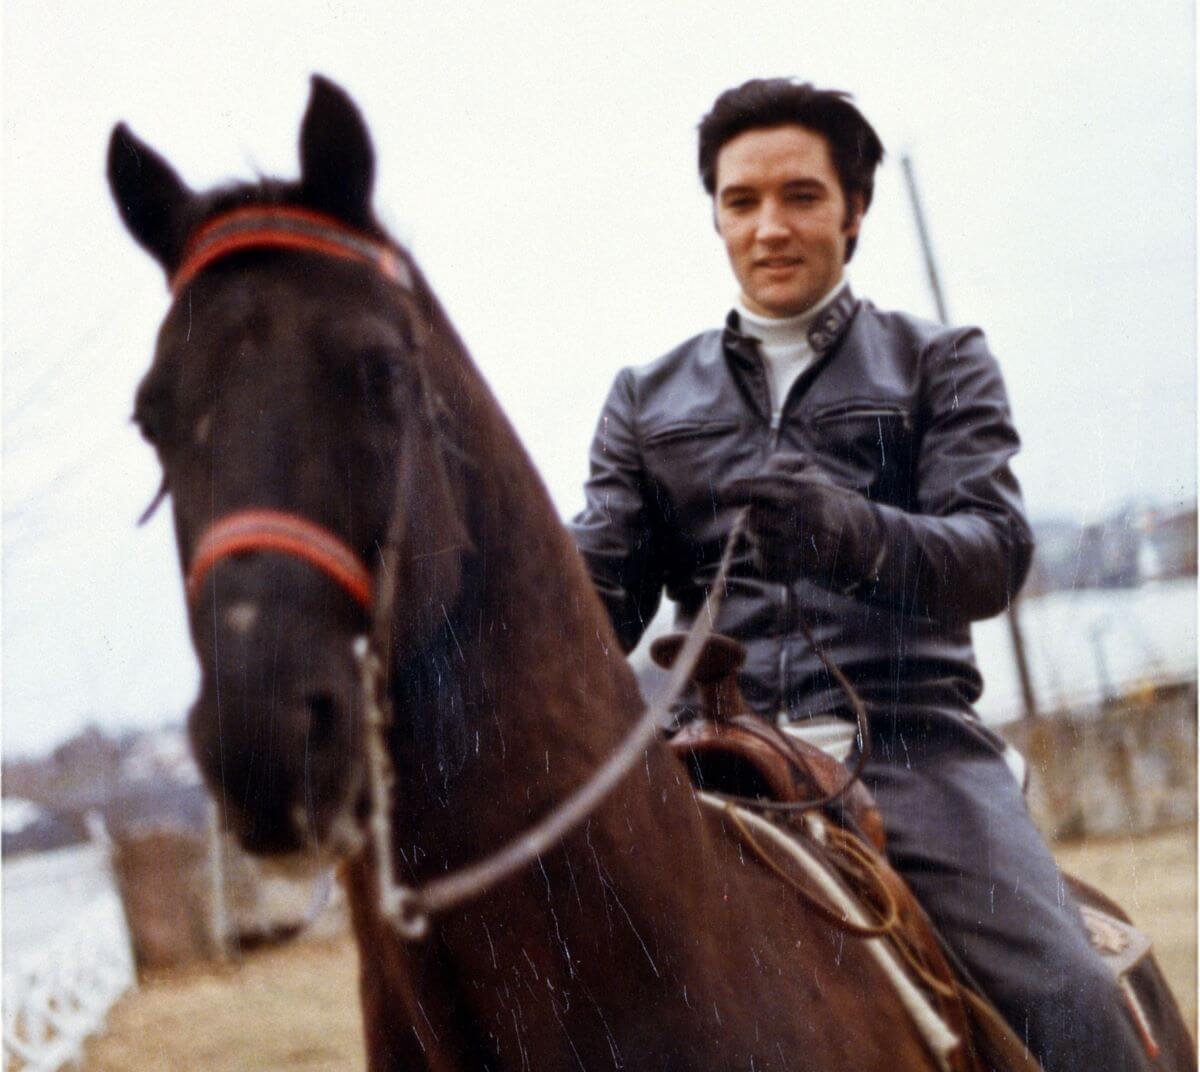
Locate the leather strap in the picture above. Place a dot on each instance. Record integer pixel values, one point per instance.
(285, 227)
(282, 533)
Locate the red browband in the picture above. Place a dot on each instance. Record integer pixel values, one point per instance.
(289, 534)
(284, 227)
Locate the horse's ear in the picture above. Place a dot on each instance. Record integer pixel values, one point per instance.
(152, 199)
(337, 162)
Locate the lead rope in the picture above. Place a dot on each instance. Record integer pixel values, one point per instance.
(409, 908)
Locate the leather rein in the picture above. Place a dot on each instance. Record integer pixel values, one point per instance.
(409, 909)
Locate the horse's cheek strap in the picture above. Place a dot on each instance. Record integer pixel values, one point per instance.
(282, 533)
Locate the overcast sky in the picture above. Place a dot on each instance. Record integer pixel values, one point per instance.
(539, 160)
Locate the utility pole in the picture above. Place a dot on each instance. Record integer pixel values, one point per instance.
(1015, 633)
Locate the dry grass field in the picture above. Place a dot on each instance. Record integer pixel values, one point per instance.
(295, 1008)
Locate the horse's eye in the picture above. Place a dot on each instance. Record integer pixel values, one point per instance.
(149, 424)
(152, 409)
(379, 368)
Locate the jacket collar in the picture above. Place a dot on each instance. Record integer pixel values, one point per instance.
(746, 364)
(825, 330)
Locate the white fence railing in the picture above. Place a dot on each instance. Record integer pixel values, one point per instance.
(57, 995)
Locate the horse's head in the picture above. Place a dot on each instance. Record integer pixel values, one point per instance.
(292, 396)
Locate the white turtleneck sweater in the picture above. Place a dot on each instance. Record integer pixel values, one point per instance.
(784, 344)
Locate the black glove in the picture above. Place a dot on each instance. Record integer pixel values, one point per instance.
(803, 524)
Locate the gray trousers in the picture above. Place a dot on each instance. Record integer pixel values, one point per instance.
(959, 833)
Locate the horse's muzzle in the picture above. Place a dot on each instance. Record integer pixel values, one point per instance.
(277, 733)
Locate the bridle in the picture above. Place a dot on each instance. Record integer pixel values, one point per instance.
(285, 227)
(409, 909)
(259, 529)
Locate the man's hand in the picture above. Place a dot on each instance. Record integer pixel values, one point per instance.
(803, 524)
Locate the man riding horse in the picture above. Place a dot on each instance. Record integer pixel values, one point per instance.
(872, 449)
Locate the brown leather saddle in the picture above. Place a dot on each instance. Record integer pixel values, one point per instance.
(730, 751)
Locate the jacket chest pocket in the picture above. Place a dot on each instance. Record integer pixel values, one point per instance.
(870, 444)
(686, 460)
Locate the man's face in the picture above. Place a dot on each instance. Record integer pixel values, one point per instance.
(780, 209)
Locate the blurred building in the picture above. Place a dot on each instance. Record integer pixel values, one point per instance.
(1132, 546)
(1168, 548)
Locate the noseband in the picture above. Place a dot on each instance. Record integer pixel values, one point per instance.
(255, 529)
(282, 533)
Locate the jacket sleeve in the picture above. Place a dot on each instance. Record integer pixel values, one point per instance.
(964, 553)
(615, 532)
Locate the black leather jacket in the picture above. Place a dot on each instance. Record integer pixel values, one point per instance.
(911, 414)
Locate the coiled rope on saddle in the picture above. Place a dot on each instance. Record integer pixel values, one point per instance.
(853, 919)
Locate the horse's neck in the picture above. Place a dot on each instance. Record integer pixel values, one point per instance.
(525, 696)
(517, 703)
(527, 690)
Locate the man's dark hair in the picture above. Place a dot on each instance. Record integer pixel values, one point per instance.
(771, 102)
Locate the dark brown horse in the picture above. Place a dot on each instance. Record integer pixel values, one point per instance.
(305, 380)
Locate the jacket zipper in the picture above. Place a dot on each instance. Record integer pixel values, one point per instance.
(785, 601)
(774, 433)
